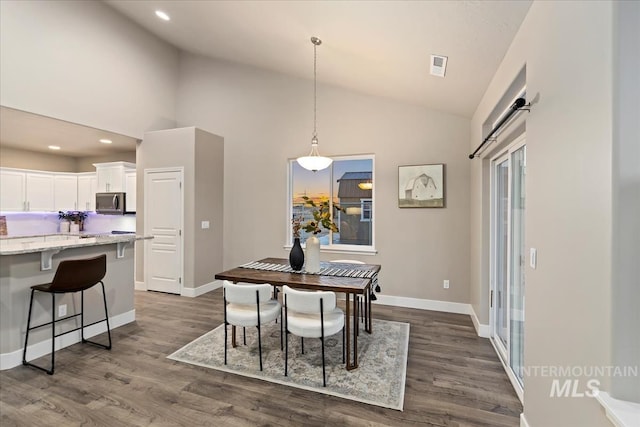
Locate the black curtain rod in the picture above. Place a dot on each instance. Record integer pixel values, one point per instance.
(518, 104)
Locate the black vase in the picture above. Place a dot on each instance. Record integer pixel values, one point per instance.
(296, 256)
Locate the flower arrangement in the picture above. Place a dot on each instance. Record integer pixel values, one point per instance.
(321, 217)
(72, 216)
(296, 223)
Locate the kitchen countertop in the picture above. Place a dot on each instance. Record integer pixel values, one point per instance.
(7, 247)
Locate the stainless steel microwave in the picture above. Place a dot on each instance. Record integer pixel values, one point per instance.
(111, 203)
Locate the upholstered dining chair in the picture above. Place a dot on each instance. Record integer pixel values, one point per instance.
(311, 315)
(249, 305)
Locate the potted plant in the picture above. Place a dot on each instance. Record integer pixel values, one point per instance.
(322, 218)
(75, 217)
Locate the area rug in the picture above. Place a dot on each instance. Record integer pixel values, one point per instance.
(379, 379)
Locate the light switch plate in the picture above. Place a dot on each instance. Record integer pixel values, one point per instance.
(533, 257)
(205, 224)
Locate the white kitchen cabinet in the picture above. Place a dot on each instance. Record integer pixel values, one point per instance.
(87, 191)
(130, 188)
(12, 190)
(65, 192)
(111, 176)
(39, 194)
(22, 190)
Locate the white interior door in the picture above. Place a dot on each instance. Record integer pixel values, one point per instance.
(163, 213)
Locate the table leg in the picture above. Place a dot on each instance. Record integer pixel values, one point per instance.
(356, 322)
(233, 336)
(368, 321)
(348, 330)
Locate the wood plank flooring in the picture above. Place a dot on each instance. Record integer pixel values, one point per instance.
(454, 378)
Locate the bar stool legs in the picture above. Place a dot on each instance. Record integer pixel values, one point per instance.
(104, 298)
(53, 328)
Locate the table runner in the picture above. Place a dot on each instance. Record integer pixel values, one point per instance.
(324, 271)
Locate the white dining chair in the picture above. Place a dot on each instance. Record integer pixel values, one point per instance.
(311, 315)
(249, 305)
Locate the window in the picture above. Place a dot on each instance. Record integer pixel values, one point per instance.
(347, 183)
(366, 205)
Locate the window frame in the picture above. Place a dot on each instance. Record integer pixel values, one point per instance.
(364, 202)
(333, 247)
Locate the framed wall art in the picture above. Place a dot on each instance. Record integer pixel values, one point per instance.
(421, 186)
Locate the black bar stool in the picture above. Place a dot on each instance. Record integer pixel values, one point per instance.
(76, 275)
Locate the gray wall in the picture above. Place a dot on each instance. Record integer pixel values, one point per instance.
(200, 154)
(267, 118)
(15, 158)
(84, 63)
(11, 157)
(569, 220)
(208, 206)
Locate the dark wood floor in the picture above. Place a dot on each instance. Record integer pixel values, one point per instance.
(454, 378)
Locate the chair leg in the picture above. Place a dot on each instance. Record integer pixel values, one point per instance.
(244, 335)
(302, 344)
(26, 338)
(281, 322)
(324, 376)
(225, 343)
(53, 333)
(260, 345)
(53, 336)
(106, 318)
(286, 351)
(343, 344)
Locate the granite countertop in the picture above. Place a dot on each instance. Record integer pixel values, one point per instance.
(7, 247)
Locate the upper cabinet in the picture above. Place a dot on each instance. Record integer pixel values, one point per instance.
(87, 183)
(13, 185)
(65, 192)
(40, 195)
(26, 191)
(111, 176)
(130, 185)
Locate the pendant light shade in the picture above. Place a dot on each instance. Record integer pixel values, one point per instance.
(314, 161)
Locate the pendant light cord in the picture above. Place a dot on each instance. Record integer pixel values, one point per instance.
(315, 90)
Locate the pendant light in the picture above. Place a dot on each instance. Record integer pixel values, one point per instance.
(314, 161)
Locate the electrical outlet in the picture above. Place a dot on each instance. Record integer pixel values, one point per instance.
(62, 310)
(446, 284)
(205, 225)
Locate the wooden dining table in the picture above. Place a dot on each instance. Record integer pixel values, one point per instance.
(350, 286)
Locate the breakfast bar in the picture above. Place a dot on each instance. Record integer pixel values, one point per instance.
(33, 260)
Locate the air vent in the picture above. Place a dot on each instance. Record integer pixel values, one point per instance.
(438, 65)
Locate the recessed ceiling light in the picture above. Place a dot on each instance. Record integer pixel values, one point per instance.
(162, 15)
(54, 147)
(106, 141)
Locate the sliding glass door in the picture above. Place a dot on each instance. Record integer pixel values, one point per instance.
(508, 255)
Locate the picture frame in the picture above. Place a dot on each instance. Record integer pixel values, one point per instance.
(421, 186)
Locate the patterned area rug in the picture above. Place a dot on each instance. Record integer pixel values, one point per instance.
(378, 380)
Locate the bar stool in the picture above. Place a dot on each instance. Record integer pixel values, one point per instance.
(72, 276)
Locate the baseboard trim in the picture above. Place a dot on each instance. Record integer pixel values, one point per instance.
(523, 421)
(201, 290)
(482, 330)
(140, 286)
(42, 348)
(424, 304)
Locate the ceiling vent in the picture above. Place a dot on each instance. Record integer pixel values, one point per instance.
(438, 65)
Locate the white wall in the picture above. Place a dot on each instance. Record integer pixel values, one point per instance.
(567, 50)
(82, 62)
(266, 118)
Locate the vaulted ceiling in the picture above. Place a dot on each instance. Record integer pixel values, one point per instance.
(375, 47)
